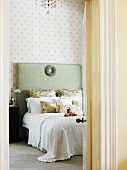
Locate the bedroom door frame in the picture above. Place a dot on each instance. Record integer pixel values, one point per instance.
(99, 157)
(102, 97)
(4, 85)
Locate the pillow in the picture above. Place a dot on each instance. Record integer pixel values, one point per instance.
(48, 107)
(63, 105)
(69, 93)
(41, 93)
(72, 98)
(35, 102)
(65, 102)
(61, 101)
(36, 109)
(63, 108)
(78, 105)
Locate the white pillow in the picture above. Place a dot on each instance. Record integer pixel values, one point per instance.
(65, 101)
(77, 102)
(36, 110)
(35, 102)
(72, 98)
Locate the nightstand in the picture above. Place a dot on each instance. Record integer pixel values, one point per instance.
(13, 124)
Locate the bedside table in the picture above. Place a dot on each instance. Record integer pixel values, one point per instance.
(13, 124)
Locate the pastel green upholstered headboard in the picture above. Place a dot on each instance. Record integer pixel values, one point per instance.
(32, 76)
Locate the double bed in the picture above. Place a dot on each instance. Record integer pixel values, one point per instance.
(43, 114)
(57, 136)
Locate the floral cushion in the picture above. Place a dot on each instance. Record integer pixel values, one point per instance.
(41, 93)
(69, 93)
(63, 108)
(48, 107)
(78, 105)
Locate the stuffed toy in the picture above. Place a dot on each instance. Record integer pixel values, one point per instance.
(70, 113)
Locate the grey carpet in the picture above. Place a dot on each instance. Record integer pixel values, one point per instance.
(24, 157)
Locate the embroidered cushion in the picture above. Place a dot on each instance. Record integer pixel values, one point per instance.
(63, 108)
(78, 105)
(41, 93)
(48, 107)
(69, 93)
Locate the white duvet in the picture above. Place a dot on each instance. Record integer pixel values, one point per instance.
(61, 137)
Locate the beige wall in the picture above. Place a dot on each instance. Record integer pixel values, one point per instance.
(122, 83)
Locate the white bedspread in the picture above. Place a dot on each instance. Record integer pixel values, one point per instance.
(61, 137)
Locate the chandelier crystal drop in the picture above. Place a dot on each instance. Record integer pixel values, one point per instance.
(48, 4)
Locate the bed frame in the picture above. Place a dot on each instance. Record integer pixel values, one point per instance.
(33, 76)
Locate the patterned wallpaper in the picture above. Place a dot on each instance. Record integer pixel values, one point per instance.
(36, 36)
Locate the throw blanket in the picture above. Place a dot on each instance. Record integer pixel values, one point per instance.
(35, 129)
(61, 137)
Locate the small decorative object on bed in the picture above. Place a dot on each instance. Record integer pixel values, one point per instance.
(70, 113)
(50, 70)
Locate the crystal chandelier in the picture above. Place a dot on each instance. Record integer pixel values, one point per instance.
(48, 4)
